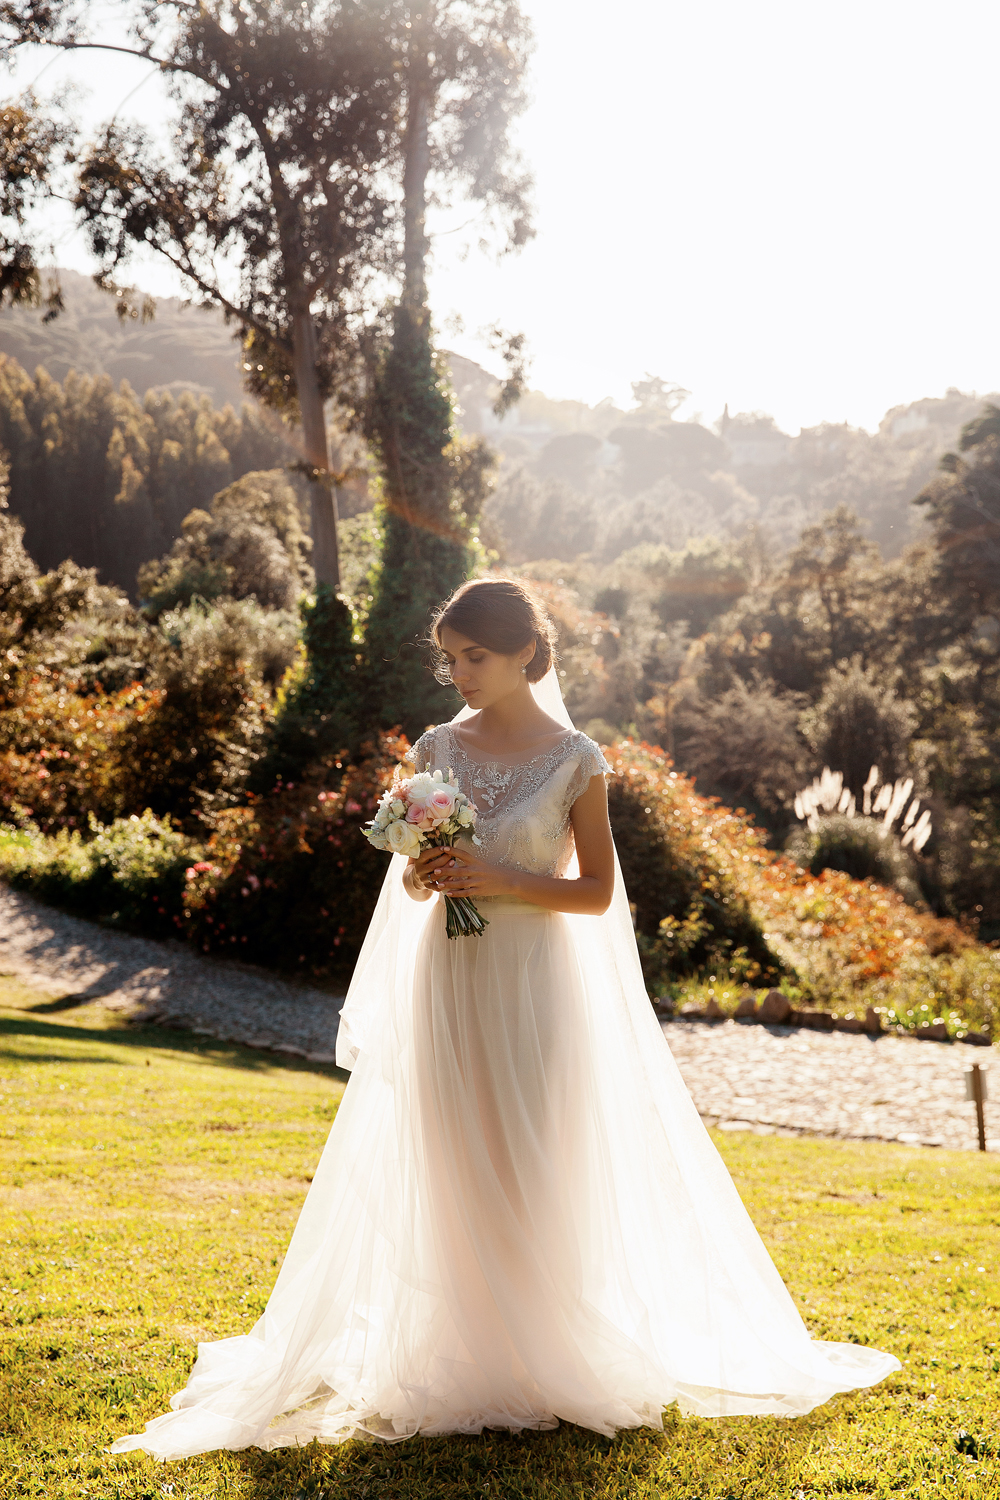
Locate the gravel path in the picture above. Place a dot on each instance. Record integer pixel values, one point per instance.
(165, 982)
(771, 1079)
(780, 1080)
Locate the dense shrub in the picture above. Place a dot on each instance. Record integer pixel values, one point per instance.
(690, 915)
(862, 847)
(288, 880)
(859, 723)
(65, 755)
(744, 746)
(251, 546)
(130, 872)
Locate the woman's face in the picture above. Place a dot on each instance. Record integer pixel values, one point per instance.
(482, 677)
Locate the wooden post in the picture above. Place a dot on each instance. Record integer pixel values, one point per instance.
(975, 1089)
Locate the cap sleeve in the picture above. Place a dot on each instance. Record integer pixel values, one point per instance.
(422, 753)
(589, 763)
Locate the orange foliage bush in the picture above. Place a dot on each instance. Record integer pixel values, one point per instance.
(834, 932)
(63, 754)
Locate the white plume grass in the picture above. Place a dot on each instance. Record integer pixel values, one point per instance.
(827, 794)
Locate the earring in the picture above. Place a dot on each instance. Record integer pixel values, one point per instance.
(524, 671)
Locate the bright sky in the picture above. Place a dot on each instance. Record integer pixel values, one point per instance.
(784, 205)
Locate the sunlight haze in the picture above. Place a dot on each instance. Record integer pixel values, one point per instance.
(785, 207)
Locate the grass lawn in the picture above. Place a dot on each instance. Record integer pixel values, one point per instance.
(150, 1182)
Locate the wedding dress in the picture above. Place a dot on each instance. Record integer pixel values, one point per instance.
(519, 1217)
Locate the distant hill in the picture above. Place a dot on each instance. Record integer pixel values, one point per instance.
(575, 478)
(184, 348)
(598, 479)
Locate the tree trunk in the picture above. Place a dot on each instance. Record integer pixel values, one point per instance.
(415, 188)
(316, 452)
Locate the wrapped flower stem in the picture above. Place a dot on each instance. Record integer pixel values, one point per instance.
(462, 917)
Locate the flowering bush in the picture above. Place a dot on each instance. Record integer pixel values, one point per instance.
(677, 853)
(287, 880)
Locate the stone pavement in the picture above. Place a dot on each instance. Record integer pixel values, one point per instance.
(776, 1079)
(772, 1079)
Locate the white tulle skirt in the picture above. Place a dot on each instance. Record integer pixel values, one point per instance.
(518, 1219)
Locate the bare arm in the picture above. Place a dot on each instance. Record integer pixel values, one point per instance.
(466, 874)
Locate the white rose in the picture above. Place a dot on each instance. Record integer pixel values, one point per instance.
(465, 817)
(403, 838)
(397, 808)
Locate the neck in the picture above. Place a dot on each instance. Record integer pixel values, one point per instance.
(511, 715)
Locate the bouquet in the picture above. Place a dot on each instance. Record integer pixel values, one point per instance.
(428, 811)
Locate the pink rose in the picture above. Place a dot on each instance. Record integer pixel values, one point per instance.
(417, 816)
(441, 804)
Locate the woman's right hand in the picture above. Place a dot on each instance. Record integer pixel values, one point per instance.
(422, 870)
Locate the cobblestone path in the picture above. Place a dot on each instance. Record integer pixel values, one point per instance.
(780, 1079)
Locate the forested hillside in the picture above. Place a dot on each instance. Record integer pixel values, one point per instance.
(106, 478)
(599, 480)
(181, 347)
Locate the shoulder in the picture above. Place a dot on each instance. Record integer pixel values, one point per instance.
(583, 760)
(587, 753)
(423, 750)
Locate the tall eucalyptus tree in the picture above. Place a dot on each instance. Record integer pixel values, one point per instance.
(271, 195)
(462, 70)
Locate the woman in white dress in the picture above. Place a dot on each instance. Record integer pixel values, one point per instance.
(519, 1217)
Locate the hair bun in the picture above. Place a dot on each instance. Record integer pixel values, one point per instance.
(542, 659)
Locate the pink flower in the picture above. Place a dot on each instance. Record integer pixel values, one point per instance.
(417, 815)
(441, 804)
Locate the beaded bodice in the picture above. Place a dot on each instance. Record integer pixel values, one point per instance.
(524, 805)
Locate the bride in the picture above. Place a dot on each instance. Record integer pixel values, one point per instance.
(519, 1217)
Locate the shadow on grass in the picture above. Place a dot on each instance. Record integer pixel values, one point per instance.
(149, 1038)
(689, 1460)
(66, 1002)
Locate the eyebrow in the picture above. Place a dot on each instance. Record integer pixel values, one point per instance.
(465, 650)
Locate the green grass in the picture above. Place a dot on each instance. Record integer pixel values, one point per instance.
(150, 1182)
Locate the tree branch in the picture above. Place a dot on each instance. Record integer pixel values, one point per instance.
(183, 264)
(147, 56)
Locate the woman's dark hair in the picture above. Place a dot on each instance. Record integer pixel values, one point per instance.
(502, 615)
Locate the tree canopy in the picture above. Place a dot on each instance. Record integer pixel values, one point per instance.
(292, 188)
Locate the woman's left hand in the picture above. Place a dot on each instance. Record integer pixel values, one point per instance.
(468, 874)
